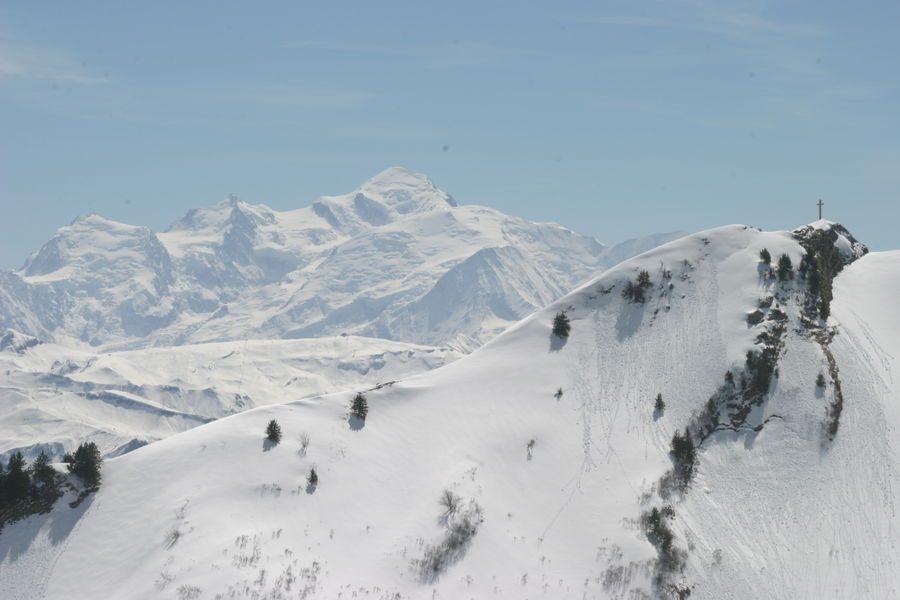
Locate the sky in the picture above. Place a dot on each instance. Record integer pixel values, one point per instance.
(616, 119)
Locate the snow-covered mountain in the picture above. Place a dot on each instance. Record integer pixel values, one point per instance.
(558, 466)
(382, 261)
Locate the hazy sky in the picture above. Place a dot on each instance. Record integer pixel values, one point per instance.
(613, 118)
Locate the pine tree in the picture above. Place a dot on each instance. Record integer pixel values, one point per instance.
(561, 325)
(643, 279)
(659, 405)
(273, 431)
(820, 381)
(42, 471)
(85, 463)
(360, 407)
(16, 481)
(785, 268)
(634, 290)
(765, 256)
(313, 479)
(684, 454)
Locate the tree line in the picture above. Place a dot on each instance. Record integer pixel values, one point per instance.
(33, 488)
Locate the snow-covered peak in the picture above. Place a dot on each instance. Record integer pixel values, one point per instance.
(393, 195)
(216, 217)
(405, 190)
(92, 241)
(835, 234)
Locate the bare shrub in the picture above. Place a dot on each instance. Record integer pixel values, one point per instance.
(449, 501)
(461, 528)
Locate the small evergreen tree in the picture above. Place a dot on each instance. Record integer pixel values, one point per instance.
(643, 279)
(765, 257)
(658, 531)
(16, 481)
(85, 463)
(659, 405)
(684, 455)
(360, 407)
(820, 381)
(785, 268)
(561, 325)
(313, 479)
(273, 431)
(634, 290)
(42, 471)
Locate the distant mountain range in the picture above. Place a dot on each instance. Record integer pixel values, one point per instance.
(397, 258)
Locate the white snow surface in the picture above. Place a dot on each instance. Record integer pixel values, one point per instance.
(561, 481)
(55, 397)
(375, 262)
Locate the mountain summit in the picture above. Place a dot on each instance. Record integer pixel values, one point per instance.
(405, 191)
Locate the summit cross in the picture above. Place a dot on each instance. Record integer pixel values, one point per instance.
(820, 204)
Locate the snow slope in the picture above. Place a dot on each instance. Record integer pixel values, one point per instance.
(55, 397)
(553, 485)
(374, 262)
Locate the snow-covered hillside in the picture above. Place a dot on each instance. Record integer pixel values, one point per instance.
(55, 397)
(381, 261)
(555, 453)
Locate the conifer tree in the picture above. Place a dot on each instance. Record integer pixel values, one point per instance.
(16, 481)
(785, 268)
(561, 325)
(273, 431)
(659, 405)
(765, 256)
(313, 479)
(42, 471)
(360, 407)
(85, 463)
(643, 279)
(634, 290)
(684, 454)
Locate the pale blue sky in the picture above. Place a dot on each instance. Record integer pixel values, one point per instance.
(613, 118)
